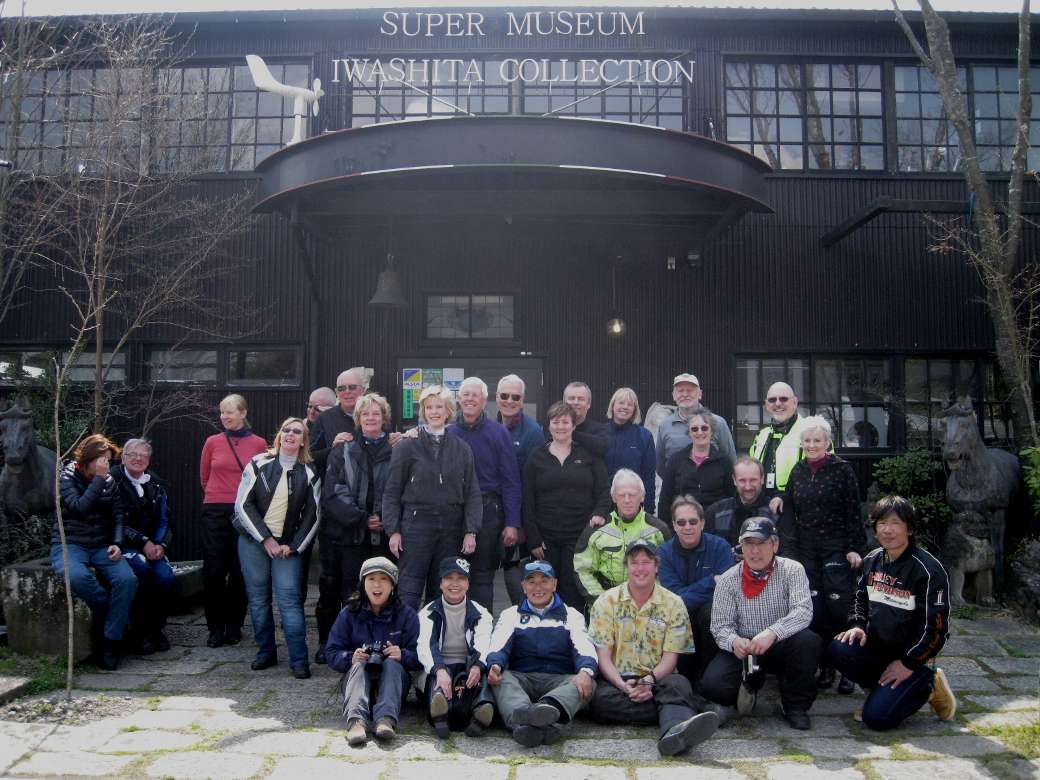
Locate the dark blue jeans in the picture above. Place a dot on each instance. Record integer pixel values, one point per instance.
(155, 582)
(113, 604)
(284, 576)
(886, 707)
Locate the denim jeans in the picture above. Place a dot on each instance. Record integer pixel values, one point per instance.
(284, 576)
(155, 582)
(391, 682)
(113, 605)
(886, 707)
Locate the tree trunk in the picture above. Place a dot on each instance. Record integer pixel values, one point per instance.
(69, 603)
(1015, 361)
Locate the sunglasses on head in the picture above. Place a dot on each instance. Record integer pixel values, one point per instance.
(700, 428)
(778, 399)
(294, 431)
(343, 388)
(682, 523)
(510, 397)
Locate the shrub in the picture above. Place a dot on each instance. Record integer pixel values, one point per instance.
(918, 475)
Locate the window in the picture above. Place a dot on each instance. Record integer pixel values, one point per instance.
(83, 370)
(995, 99)
(16, 365)
(754, 376)
(799, 116)
(263, 367)
(854, 395)
(182, 365)
(470, 317)
(261, 122)
(926, 140)
(934, 384)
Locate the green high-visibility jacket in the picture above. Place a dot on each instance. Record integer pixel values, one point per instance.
(599, 560)
(788, 452)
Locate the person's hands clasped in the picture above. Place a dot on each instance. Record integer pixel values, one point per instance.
(272, 548)
(761, 642)
(374, 523)
(640, 690)
(153, 551)
(741, 647)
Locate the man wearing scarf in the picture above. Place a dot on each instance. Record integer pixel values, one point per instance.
(761, 611)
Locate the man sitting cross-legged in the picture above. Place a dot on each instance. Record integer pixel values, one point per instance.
(542, 665)
(639, 630)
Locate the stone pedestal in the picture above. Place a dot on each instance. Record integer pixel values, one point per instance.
(37, 621)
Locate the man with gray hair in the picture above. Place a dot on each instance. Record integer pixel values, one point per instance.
(499, 478)
(527, 434)
(336, 425)
(320, 399)
(673, 434)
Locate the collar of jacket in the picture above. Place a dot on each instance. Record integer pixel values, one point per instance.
(472, 616)
(557, 609)
(242, 433)
(476, 425)
(784, 428)
(639, 519)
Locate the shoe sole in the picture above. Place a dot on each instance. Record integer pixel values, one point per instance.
(697, 730)
(438, 705)
(941, 682)
(552, 735)
(746, 700)
(528, 736)
(483, 714)
(357, 741)
(539, 714)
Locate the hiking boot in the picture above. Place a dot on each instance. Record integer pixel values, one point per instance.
(796, 719)
(356, 734)
(528, 736)
(385, 729)
(746, 698)
(692, 731)
(942, 700)
(845, 686)
(540, 714)
(480, 719)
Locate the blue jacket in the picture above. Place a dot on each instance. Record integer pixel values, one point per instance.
(527, 435)
(477, 627)
(394, 625)
(494, 461)
(632, 447)
(555, 642)
(690, 574)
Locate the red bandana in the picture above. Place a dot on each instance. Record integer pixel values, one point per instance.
(753, 583)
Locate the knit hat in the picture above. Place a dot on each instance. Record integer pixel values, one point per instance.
(380, 564)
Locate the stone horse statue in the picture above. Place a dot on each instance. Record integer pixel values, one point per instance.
(27, 479)
(982, 483)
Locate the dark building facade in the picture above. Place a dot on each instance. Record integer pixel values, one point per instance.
(825, 117)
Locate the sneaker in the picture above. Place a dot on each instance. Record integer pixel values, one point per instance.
(480, 719)
(356, 734)
(162, 644)
(528, 736)
(846, 686)
(746, 698)
(942, 700)
(216, 639)
(796, 719)
(319, 657)
(540, 714)
(438, 705)
(385, 729)
(301, 672)
(692, 731)
(262, 662)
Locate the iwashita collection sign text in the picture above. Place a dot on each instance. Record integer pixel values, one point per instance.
(521, 26)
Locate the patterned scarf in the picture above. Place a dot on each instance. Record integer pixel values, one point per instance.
(752, 583)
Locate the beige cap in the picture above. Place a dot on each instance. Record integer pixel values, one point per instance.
(686, 378)
(381, 565)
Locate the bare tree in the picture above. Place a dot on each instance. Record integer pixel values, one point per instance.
(992, 242)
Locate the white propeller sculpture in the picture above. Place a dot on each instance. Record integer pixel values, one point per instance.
(264, 80)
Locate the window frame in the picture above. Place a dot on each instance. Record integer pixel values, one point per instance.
(427, 341)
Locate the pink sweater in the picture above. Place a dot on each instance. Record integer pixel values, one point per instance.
(218, 468)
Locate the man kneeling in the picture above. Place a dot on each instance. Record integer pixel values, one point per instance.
(542, 665)
(639, 630)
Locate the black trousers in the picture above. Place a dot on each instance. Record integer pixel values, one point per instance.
(427, 539)
(674, 701)
(694, 665)
(340, 572)
(487, 558)
(793, 661)
(225, 590)
(831, 583)
(560, 554)
(463, 700)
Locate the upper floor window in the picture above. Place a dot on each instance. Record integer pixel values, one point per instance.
(470, 317)
(925, 137)
(807, 116)
(934, 384)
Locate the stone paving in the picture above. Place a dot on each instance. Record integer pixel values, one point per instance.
(201, 713)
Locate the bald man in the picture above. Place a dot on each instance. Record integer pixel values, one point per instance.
(321, 398)
(778, 446)
(336, 425)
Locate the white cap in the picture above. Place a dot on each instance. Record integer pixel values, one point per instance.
(686, 378)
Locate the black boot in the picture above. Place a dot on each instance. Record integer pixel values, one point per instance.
(825, 679)
(846, 686)
(109, 658)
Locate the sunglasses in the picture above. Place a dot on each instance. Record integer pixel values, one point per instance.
(343, 388)
(319, 407)
(680, 523)
(699, 428)
(778, 399)
(510, 397)
(293, 431)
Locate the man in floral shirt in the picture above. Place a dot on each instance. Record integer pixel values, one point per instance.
(639, 630)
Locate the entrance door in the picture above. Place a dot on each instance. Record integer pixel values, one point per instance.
(415, 373)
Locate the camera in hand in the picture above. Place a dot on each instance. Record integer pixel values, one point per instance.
(375, 653)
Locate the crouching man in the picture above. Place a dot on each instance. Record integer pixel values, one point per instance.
(542, 665)
(760, 618)
(454, 637)
(900, 620)
(639, 630)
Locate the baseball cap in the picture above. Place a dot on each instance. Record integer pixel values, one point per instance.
(686, 378)
(539, 567)
(451, 565)
(644, 545)
(380, 564)
(757, 528)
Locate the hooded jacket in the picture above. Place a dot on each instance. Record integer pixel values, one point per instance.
(554, 642)
(91, 511)
(599, 558)
(302, 515)
(431, 635)
(397, 625)
(145, 518)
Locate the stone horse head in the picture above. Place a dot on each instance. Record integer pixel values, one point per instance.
(16, 433)
(963, 447)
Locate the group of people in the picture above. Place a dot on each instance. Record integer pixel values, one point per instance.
(670, 619)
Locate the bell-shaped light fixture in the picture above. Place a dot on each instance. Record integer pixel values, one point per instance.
(389, 289)
(615, 323)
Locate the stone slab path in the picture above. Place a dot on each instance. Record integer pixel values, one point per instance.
(197, 713)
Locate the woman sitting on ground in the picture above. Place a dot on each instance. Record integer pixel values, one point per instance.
(373, 642)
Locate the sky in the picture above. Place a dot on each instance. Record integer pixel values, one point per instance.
(52, 7)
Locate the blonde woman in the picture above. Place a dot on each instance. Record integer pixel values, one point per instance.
(276, 513)
(224, 457)
(631, 445)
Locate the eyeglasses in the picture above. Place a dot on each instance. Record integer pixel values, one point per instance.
(778, 399)
(135, 455)
(699, 428)
(510, 397)
(343, 388)
(293, 431)
(319, 407)
(680, 523)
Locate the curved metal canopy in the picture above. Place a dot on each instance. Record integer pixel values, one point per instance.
(545, 168)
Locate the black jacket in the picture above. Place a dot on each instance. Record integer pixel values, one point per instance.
(903, 605)
(591, 434)
(329, 424)
(826, 508)
(352, 470)
(145, 518)
(90, 508)
(724, 518)
(259, 481)
(421, 482)
(560, 498)
(708, 483)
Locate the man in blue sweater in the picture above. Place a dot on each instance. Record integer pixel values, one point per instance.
(691, 562)
(499, 478)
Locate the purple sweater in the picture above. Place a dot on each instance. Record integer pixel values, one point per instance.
(495, 461)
